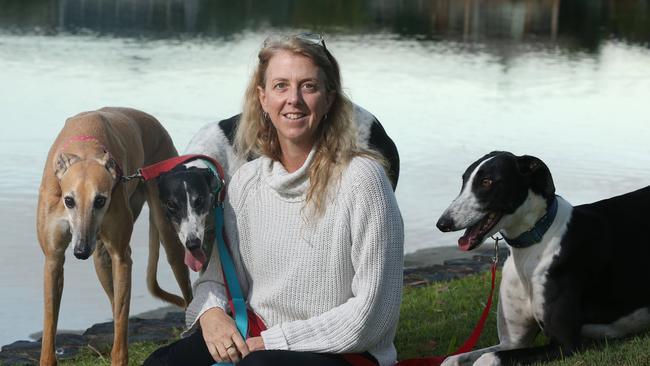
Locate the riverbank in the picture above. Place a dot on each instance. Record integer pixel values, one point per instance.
(421, 268)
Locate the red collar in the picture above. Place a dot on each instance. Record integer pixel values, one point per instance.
(154, 170)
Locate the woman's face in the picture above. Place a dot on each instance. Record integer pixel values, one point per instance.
(295, 98)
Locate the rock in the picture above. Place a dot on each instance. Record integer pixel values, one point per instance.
(28, 352)
(20, 353)
(450, 269)
(99, 336)
(140, 330)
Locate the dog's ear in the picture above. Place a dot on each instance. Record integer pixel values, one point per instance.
(541, 181)
(161, 176)
(63, 162)
(213, 181)
(528, 165)
(110, 164)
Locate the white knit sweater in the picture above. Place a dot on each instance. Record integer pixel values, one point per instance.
(330, 285)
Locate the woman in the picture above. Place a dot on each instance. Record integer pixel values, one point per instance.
(313, 224)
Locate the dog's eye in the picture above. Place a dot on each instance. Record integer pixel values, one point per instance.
(100, 201)
(69, 202)
(171, 206)
(198, 202)
(486, 182)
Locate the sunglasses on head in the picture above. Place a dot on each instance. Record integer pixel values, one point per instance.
(312, 38)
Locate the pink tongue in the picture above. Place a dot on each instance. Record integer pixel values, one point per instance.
(195, 260)
(464, 243)
(467, 241)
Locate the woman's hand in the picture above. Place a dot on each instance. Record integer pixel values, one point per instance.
(255, 344)
(221, 336)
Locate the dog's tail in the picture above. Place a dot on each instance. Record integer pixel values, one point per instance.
(152, 268)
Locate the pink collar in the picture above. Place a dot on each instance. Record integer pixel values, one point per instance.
(118, 168)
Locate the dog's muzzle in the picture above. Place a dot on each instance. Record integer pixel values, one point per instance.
(445, 224)
(195, 257)
(193, 243)
(82, 251)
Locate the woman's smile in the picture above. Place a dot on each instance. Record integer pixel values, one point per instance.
(294, 116)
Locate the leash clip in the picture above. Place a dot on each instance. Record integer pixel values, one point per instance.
(218, 201)
(128, 178)
(495, 258)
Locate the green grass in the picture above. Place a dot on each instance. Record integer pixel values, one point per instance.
(138, 352)
(435, 320)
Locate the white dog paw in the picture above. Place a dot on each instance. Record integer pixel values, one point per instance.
(488, 359)
(451, 361)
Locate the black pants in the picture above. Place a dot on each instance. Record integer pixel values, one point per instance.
(193, 351)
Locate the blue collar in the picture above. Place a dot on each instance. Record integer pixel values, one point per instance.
(534, 235)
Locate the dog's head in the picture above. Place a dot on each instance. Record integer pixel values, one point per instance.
(86, 187)
(500, 192)
(188, 196)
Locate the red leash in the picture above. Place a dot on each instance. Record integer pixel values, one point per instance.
(476, 333)
(469, 343)
(154, 170)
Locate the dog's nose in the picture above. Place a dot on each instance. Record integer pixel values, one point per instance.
(193, 243)
(81, 251)
(445, 223)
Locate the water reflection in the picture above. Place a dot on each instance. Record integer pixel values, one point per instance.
(575, 24)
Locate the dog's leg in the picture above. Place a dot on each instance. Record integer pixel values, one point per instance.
(174, 250)
(116, 234)
(137, 199)
(53, 288)
(513, 333)
(524, 356)
(637, 321)
(54, 240)
(515, 322)
(103, 268)
(561, 325)
(121, 265)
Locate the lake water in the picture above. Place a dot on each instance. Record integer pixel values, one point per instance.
(449, 80)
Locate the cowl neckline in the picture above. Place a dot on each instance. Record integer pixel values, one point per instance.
(290, 186)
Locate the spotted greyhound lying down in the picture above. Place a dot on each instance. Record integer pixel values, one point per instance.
(574, 271)
(187, 191)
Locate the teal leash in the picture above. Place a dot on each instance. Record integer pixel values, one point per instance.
(228, 267)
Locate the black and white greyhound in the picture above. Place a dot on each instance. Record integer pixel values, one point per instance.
(577, 273)
(187, 191)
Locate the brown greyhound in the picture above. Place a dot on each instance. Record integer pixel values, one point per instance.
(83, 200)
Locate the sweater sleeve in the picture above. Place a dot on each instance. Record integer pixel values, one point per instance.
(371, 314)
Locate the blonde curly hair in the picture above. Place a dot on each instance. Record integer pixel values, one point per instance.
(336, 135)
